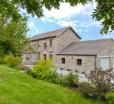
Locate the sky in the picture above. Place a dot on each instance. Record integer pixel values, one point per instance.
(78, 17)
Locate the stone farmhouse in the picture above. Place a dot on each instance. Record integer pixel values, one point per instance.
(68, 52)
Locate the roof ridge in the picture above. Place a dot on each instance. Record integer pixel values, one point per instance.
(52, 31)
(66, 47)
(92, 47)
(93, 40)
(97, 40)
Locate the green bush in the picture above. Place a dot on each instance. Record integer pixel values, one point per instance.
(87, 89)
(42, 68)
(101, 80)
(53, 77)
(71, 80)
(95, 90)
(12, 61)
(1, 59)
(99, 85)
(110, 98)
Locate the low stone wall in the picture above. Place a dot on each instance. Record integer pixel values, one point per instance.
(88, 63)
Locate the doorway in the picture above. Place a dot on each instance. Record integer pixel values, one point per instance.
(105, 63)
(45, 56)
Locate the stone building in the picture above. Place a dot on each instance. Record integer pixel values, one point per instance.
(68, 52)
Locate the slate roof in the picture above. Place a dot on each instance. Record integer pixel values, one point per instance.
(54, 33)
(91, 47)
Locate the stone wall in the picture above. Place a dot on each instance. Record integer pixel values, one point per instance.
(65, 39)
(108, 52)
(29, 58)
(88, 63)
(58, 43)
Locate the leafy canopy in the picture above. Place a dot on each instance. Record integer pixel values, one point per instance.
(104, 11)
(12, 35)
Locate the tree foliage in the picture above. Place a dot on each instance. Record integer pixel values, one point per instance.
(103, 12)
(9, 10)
(12, 35)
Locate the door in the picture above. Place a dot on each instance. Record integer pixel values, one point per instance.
(45, 56)
(105, 63)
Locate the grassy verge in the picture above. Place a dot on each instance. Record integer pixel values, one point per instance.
(19, 88)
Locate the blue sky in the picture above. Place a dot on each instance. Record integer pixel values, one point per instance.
(78, 17)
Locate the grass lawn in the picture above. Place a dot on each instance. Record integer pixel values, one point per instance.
(19, 88)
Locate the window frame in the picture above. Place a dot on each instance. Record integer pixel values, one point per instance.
(45, 45)
(45, 56)
(63, 61)
(50, 42)
(79, 62)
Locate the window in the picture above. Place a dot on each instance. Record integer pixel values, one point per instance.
(61, 68)
(63, 60)
(51, 56)
(45, 45)
(79, 62)
(50, 42)
(27, 58)
(38, 44)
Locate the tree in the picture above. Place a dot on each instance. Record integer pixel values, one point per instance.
(104, 11)
(12, 35)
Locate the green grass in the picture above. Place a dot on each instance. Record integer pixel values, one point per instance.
(19, 88)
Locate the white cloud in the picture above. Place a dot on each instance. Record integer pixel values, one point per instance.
(66, 23)
(63, 16)
(33, 28)
(94, 23)
(31, 25)
(67, 11)
(109, 35)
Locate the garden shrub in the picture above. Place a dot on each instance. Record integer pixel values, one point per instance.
(12, 61)
(101, 80)
(1, 59)
(41, 68)
(99, 84)
(110, 97)
(87, 89)
(53, 77)
(71, 80)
